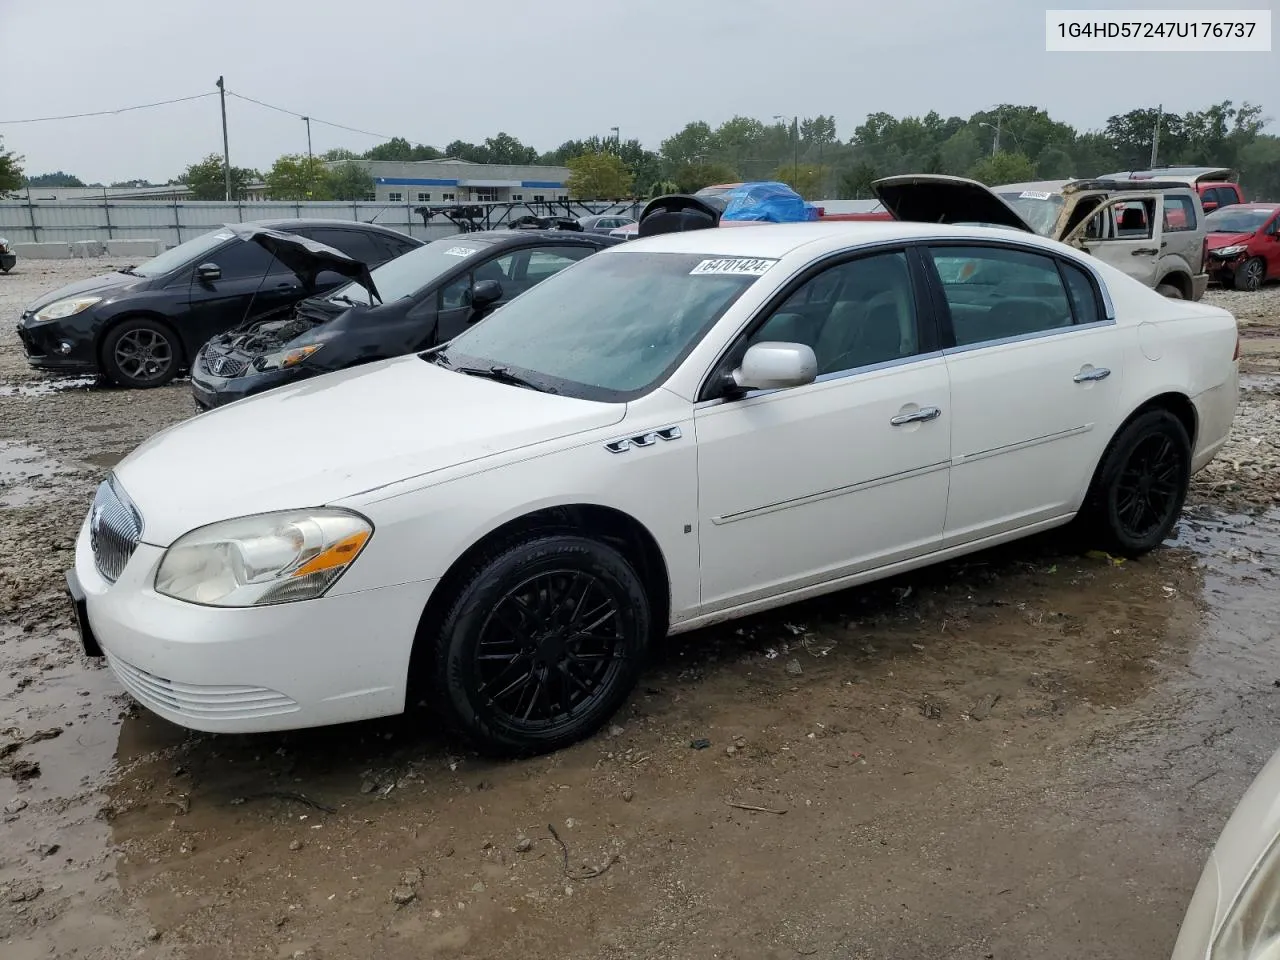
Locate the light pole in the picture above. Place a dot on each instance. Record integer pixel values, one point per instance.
(310, 160)
(226, 150)
(795, 142)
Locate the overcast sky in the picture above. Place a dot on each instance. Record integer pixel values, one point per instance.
(546, 71)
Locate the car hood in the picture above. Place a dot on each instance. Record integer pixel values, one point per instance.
(109, 284)
(1219, 240)
(306, 257)
(335, 436)
(933, 198)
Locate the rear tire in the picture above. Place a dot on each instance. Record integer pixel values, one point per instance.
(541, 644)
(1141, 484)
(1250, 275)
(141, 353)
(1170, 291)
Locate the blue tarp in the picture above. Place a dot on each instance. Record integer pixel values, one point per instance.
(769, 201)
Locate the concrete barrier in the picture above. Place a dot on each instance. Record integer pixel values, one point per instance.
(137, 249)
(79, 249)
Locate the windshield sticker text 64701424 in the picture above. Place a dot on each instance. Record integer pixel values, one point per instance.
(734, 266)
(460, 251)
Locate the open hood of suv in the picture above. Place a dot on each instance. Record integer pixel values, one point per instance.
(934, 198)
(306, 257)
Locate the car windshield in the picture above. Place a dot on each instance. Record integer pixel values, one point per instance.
(182, 254)
(611, 327)
(407, 274)
(1235, 220)
(1039, 208)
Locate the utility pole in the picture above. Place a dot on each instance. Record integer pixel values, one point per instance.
(310, 161)
(995, 144)
(226, 150)
(307, 120)
(795, 147)
(1155, 136)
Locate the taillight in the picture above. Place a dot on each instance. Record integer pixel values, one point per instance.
(1204, 255)
(1236, 355)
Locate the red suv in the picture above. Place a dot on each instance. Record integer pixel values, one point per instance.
(1214, 184)
(1244, 244)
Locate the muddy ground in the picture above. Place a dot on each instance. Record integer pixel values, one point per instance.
(1027, 753)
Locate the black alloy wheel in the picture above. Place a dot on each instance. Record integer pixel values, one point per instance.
(1143, 482)
(140, 353)
(542, 643)
(1250, 274)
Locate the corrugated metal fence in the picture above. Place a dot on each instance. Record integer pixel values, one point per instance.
(172, 222)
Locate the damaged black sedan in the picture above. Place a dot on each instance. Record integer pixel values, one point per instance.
(419, 300)
(140, 325)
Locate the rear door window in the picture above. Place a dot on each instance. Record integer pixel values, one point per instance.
(1179, 213)
(997, 293)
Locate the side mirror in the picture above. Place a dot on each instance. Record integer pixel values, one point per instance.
(485, 293)
(773, 366)
(1209, 206)
(208, 272)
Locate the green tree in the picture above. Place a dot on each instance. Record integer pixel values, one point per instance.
(662, 188)
(350, 181)
(339, 153)
(1003, 168)
(959, 152)
(692, 177)
(297, 177)
(56, 179)
(688, 147)
(599, 176)
(10, 170)
(206, 181)
(855, 183)
(397, 148)
(807, 179)
(505, 148)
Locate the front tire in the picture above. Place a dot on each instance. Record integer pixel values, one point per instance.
(1250, 275)
(541, 644)
(140, 353)
(1142, 483)
(1170, 291)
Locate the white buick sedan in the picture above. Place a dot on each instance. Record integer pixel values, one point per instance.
(677, 431)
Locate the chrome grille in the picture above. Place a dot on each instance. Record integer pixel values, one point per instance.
(222, 366)
(115, 527)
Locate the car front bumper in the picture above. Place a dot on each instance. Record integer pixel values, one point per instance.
(1199, 284)
(340, 658)
(211, 391)
(55, 345)
(1223, 269)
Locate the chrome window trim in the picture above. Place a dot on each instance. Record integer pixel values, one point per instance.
(826, 378)
(1024, 337)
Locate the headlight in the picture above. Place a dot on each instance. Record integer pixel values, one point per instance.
(265, 559)
(65, 308)
(1230, 251)
(285, 358)
(1251, 930)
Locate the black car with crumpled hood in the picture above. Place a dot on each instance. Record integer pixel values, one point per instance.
(141, 325)
(417, 301)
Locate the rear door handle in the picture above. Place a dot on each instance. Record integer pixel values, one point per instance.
(1092, 374)
(1145, 252)
(920, 416)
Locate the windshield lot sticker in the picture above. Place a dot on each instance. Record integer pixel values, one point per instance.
(734, 266)
(460, 251)
(1034, 195)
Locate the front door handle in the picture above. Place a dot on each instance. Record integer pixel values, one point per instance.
(1092, 374)
(1145, 252)
(920, 416)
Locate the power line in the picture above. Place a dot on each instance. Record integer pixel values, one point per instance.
(302, 116)
(105, 113)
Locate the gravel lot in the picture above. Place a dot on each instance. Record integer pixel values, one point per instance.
(1024, 753)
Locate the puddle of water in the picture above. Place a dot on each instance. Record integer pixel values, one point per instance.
(25, 474)
(106, 458)
(44, 388)
(1259, 381)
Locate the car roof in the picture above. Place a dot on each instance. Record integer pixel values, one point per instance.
(520, 237)
(1251, 205)
(780, 239)
(286, 223)
(1040, 186)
